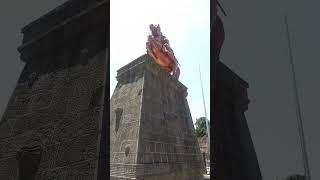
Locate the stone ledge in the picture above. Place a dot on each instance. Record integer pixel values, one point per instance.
(145, 63)
(57, 16)
(139, 170)
(131, 65)
(38, 33)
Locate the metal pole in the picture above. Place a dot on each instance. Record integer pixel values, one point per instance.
(205, 113)
(298, 110)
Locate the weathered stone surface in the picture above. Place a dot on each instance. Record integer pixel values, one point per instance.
(58, 100)
(234, 156)
(151, 130)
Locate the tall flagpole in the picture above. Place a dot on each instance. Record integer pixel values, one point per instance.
(298, 110)
(205, 113)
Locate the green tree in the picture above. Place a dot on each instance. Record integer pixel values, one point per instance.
(201, 127)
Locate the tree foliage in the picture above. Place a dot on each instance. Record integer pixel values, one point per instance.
(201, 127)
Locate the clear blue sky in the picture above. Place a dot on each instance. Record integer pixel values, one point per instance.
(186, 23)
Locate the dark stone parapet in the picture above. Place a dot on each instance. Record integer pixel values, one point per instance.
(145, 62)
(136, 62)
(228, 85)
(64, 33)
(58, 16)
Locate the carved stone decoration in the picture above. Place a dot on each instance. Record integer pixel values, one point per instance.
(159, 49)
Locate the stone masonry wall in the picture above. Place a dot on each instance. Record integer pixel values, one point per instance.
(60, 114)
(52, 126)
(125, 108)
(156, 138)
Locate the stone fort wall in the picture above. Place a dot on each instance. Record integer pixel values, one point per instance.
(152, 134)
(52, 125)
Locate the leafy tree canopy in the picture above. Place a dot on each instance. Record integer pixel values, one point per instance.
(201, 127)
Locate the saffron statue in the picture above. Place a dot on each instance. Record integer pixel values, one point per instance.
(159, 49)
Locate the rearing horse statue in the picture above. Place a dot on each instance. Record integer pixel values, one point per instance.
(159, 49)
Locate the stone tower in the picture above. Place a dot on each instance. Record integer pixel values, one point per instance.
(52, 127)
(152, 134)
(234, 156)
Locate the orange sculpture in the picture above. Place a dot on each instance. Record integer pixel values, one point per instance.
(159, 49)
